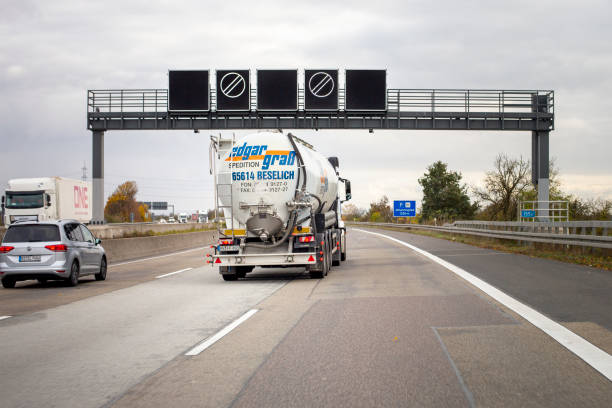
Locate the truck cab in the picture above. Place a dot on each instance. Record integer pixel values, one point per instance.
(29, 200)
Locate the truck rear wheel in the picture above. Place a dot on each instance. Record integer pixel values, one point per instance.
(228, 273)
(332, 246)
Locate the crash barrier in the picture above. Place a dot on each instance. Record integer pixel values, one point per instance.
(123, 249)
(120, 230)
(593, 234)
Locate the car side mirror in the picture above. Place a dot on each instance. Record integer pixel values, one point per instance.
(98, 241)
(48, 197)
(3, 202)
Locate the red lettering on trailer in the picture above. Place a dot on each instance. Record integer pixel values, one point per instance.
(80, 197)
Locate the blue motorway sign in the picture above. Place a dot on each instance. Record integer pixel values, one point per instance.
(528, 213)
(404, 208)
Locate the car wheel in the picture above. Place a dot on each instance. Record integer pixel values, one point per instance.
(8, 283)
(102, 274)
(73, 279)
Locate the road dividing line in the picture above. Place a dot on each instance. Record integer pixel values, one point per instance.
(4, 317)
(173, 273)
(213, 339)
(592, 355)
(158, 256)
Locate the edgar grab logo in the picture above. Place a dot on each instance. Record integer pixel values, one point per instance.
(268, 157)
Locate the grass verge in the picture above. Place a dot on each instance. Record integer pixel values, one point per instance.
(594, 257)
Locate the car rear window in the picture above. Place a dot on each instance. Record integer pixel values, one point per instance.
(32, 233)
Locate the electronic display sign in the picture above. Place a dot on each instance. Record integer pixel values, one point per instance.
(321, 89)
(188, 91)
(366, 90)
(277, 89)
(233, 90)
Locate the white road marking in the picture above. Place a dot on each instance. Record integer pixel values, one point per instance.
(159, 256)
(219, 335)
(4, 317)
(592, 355)
(173, 273)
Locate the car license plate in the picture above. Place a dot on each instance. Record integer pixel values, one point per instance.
(29, 258)
(229, 248)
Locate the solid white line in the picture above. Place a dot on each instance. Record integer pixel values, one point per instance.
(592, 355)
(4, 317)
(158, 256)
(173, 273)
(219, 335)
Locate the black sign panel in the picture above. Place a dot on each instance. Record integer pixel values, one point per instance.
(155, 205)
(233, 90)
(160, 205)
(188, 91)
(366, 90)
(277, 89)
(321, 89)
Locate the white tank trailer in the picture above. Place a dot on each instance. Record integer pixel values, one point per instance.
(281, 205)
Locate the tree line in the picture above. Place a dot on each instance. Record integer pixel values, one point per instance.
(446, 198)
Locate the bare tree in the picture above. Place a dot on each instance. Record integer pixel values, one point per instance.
(503, 186)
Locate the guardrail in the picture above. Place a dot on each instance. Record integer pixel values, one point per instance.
(593, 234)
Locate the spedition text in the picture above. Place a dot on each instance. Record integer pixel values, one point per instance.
(263, 175)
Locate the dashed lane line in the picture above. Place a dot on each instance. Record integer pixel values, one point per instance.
(220, 334)
(173, 273)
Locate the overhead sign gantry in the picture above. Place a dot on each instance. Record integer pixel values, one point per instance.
(314, 99)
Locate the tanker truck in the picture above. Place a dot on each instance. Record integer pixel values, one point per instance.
(278, 204)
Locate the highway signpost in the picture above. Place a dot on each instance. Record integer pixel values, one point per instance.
(403, 208)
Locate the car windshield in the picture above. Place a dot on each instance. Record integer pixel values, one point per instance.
(32, 233)
(24, 200)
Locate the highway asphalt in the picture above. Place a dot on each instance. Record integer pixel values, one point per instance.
(389, 327)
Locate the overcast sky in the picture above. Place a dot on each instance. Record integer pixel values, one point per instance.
(53, 51)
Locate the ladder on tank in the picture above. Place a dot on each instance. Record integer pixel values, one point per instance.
(223, 188)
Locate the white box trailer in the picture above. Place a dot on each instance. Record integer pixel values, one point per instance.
(47, 198)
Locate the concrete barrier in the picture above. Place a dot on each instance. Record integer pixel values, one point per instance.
(122, 249)
(110, 231)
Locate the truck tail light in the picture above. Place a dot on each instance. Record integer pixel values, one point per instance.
(226, 242)
(307, 238)
(57, 248)
(5, 249)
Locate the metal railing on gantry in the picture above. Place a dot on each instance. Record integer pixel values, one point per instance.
(443, 109)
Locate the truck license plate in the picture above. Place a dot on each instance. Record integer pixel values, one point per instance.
(225, 248)
(29, 258)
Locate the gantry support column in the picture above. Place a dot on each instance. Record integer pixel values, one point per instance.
(540, 159)
(98, 177)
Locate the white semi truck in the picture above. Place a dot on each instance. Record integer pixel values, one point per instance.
(47, 198)
(281, 203)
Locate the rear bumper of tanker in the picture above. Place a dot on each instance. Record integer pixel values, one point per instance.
(276, 259)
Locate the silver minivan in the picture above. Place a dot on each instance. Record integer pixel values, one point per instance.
(63, 249)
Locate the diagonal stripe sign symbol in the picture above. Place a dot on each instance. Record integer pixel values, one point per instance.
(319, 84)
(232, 85)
